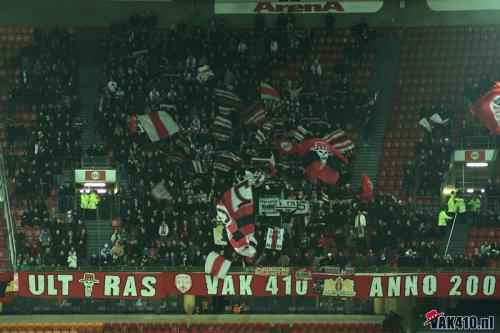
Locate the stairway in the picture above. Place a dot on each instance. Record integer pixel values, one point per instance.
(385, 68)
(458, 240)
(98, 234)
(89, 81)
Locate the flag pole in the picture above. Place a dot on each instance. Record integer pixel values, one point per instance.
(449, 238)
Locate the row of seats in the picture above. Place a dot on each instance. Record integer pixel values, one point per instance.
(478, 236)
(190, 328)
(493, 263)
(16, 30)
(450, 30)
(484, 232)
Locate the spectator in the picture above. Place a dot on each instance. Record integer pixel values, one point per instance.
(329, 22)
(72, 259)
(360, 224)
(163, 231)
(105, 253)
(316, 69)
(115, 237)
(117, 252)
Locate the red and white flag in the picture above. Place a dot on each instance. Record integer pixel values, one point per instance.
(431, 122)
(263, 132)
(216, 265)
(487, 109)
(225, 161)
(366, 189)
(274, 239)
(160, 192)
(222, 128)
(253, 115)
(204, 73)
(158, 125)
(194, 166)
(271, 166)
(339, 140)
(268, 92)
(236, 211)
(323, 161)
(228, 99)
(299, 133)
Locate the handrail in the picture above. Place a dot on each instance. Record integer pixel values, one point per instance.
(7, 216)
(449, 237)
(477, 141)
(159, 268)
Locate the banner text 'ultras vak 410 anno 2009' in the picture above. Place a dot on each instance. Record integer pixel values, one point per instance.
(264, 281)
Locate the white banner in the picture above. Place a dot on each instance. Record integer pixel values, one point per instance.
(456, 5)
(267, 206)
(296, 7)
(273, 206)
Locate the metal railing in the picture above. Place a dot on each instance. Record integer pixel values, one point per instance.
(4, 194)
(478, 141)
(159, 268)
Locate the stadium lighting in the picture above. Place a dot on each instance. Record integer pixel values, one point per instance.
(476, 164)
(471, 190)
(94, 185)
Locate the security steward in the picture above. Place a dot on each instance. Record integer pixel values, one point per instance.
(442, 220)
(451, 203)
(93, 203)
(460, 207)
(84, 202)
(475, 206)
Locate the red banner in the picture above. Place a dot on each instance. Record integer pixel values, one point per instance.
(475, 156)
(261, 283)
(95, 175)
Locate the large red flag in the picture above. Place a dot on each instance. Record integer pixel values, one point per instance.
(487, 109)
(366, 189)
(236, 211)
(321, 160)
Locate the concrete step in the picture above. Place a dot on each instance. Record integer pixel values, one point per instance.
(98, 234)
(384, 71)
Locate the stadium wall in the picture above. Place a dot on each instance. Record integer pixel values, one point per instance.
(100, 13)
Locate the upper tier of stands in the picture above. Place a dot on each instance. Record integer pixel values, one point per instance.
(437, 65)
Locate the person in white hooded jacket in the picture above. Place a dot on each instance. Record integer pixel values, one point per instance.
(72, 259)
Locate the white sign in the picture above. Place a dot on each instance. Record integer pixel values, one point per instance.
(296, 7)
(456, 5)
(273, 206)
(95, 176)
(267, 206)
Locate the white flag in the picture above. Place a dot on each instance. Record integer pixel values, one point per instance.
(274, 239)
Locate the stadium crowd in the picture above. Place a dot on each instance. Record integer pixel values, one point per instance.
(148, 69)
(46, 87)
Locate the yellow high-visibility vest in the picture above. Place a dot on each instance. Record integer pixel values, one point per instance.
(460, 205)
(84, 201)
(443, 217)
(93, 201)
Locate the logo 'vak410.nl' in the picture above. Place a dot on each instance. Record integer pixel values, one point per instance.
(436, 320)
